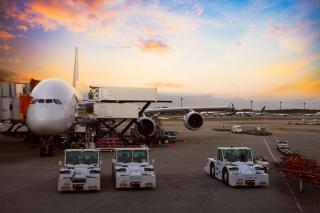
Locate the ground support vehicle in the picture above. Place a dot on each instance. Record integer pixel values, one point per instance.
(284, 148)
(260, 131)
(131, 168)
(236, 129)
(168, 136)
(80, 171)
(282, 144)
(234, 166)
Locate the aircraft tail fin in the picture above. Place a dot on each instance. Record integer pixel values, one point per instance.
(75, 70)
(232, 106)
(263, 108)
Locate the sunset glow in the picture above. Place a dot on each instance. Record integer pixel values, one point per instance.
(226, 49)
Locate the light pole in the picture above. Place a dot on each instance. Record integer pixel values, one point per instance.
(280, 105)
(181, 99)
(304, 106)
(251, 104)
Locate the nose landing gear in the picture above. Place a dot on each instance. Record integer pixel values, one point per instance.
(47, 146)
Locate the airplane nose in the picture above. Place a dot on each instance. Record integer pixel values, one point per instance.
(45, 122)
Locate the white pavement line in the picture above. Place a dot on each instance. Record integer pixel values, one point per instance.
(268, 147)
(287, 183)
(293, 196)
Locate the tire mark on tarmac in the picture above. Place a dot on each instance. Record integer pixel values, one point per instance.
(287, 183)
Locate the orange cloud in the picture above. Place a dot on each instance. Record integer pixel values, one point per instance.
(5, 47)
(4, 35)
(307, 86)
(22, 28)
(153, 45)
(163, 85)
(10, 60)
(75, 14)
(287, 67)
(8, 75)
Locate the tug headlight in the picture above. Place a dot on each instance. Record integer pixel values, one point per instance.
(148, 169)
(121, 170)
(65, 172)
(233, 169)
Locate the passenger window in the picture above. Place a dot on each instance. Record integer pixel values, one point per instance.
(34, 101)
(48, 101)
(56, 101)
(41, 101)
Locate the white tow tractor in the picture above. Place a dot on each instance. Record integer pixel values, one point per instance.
(80, 171)
(234, 166)
(131, 168)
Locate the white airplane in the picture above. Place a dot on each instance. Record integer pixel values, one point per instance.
(251, 113)
(315, 114)
(52, 112)
(281, 114)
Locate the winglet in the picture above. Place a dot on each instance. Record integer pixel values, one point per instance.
(75, 71)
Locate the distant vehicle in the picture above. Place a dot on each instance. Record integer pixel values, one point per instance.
(168, 136)
(236, 129)
(281, 114)
(234, 166)
(282, 144)
(257, 131)
(131, 168)
(80, 171)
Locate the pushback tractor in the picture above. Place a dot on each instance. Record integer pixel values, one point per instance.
(81, 170)
(234, 166)
(131, 168)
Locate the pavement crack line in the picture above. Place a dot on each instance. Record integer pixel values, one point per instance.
(287, 183)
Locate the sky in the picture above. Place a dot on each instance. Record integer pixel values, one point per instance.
(209, 52)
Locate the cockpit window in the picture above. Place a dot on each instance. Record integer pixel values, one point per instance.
(34, 101)
(57, 101)
(48, 101)
(41, 101)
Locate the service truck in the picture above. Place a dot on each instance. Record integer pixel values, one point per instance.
(131, 168)
(80, 171)
(168, 136)
(234, 166)
(236, 129)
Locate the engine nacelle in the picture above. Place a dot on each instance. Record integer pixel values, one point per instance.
(145, 127)
(193, 121)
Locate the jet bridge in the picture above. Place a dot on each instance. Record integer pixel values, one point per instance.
(14, 102)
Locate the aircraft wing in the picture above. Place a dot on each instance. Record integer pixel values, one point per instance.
(177, 110)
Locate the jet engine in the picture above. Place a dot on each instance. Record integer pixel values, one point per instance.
(145, 127)
(193, 120)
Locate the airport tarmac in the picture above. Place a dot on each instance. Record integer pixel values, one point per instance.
(29, 183)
